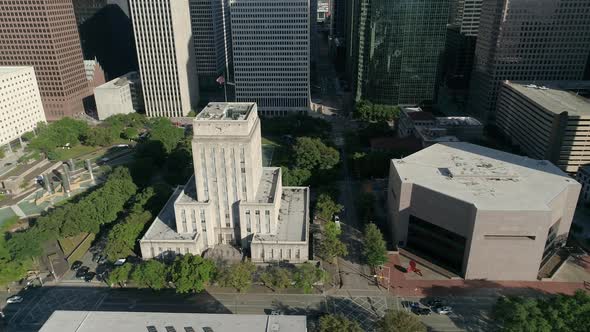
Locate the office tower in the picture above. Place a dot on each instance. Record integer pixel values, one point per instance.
(43, 34)
(20, 103)
(399, 45)
(231, 198)
(271, 50)
(166, 59)
(547, 121)
(524, 40)
(85, 9)
(210, 21)
(465, 14)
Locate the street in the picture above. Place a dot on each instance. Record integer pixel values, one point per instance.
(470, 313)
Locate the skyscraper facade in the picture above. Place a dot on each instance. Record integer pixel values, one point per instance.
(524, 40)
(271, 54)
(211, 29)
(164, 44)
(43, 34)
(400, 43)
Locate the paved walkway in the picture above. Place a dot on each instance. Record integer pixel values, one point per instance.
(402, 286)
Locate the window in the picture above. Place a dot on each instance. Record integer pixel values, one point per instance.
(248, 222)
(267, 220)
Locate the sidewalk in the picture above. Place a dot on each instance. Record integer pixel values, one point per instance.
(402, 286)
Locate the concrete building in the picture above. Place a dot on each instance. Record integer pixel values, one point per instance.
(522, 40)
(43, 34)
(232, 199)
(94, 74)
(211, 29)
(546, 122)
(116, 321)
(119, 96)
(85, 9)
(430, 129)
(271, 54)
(323, 11)
(20, 103)
(479, 212)
(398, 49)
(166, 59)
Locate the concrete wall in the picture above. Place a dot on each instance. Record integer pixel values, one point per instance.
(112, 99)
(273, 251)
(170, 246)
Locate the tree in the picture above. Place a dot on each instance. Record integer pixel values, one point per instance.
(397, 320)
(312, 153)
(130, 133)
(307, 275)
(561, 313)
(331, 246)
(239, 276)
(276, 278)
(191, 273)
(330, 323)
(326, 207)
(367, 111)
(295, 176)
(375, 249)
(99, 136)
(162, 130)
(119, 275)
(150, 274)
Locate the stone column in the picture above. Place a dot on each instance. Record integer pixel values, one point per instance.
(89, 168)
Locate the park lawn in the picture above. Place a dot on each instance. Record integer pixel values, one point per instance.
(75, 152)
(68, 244)
(270, 141)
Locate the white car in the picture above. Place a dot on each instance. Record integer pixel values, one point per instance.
(14, 299)
(444, 310)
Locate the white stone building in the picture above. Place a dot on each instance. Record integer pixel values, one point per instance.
(167, 66)
(119, 96)
(232, 199)
(20, 103)
(271, 54)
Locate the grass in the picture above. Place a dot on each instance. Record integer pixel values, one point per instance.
(269, 141)
(76, 151)
(68, 244)
(6, 224)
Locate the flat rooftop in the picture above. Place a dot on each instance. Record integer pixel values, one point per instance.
(164, 226)
(267, 185)
(113, 321)
(451, 121)
(293, 216)
(225, 111)
(13, 69)
(487, 178)
(554, 100)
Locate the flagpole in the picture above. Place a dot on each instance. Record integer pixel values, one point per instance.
(225, 90)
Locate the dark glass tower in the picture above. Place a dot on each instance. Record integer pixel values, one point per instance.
(400, 44)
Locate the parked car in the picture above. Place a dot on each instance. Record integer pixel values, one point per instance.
(443, 310)
(82, 272)
(433, 302)
(76, 265)
(120, 261)
(89, 276)
(420, 311)
(276, 313)
(14, 299)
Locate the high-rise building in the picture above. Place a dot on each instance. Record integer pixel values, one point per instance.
(43, 34)
(166, 59)
(524, 40)
(399, 46)
(211, 29)
(271, 54)
(20, 103)
(547, 121)
(465, 14)
(85, 9)
(232, 199)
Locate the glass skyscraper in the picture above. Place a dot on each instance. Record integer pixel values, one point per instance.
(400, 43)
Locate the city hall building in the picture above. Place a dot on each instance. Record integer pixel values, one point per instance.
(479, 212)
(231, 200)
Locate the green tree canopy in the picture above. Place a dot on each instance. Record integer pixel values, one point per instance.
(307, 275)
(100, 136)
(162, 130)
(130, 133)
(326, 206)
(58, 134)
(367, 111)
(312, 153)
(397, 320)
(331, 245)
(191, 273)
(561, 313)
(374, 247)
(151, 273)
(331, 323)
(238, 276)
(276, 278)
(119, 275)
(295, 176)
